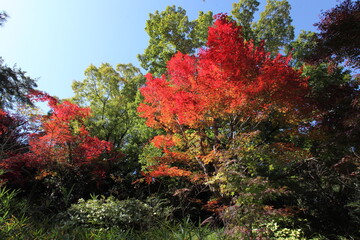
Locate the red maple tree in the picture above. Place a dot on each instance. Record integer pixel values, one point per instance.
(204, 100)
(62, 140)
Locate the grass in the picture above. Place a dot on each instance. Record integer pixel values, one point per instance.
(163, 231)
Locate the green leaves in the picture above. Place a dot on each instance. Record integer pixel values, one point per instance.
(171, 31)
(244, 12)
(274, 25)
(111, 212)
(111, 95)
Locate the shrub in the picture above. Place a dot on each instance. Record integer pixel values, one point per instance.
(123, 214)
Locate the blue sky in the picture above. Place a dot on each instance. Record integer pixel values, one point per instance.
(54, 41)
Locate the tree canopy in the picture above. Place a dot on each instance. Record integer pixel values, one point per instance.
(339, 31)
(204, 101)
(111, 95)
(171, 31)
(274, 25)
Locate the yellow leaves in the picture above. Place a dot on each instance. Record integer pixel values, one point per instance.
(116, 179)
(177, 140)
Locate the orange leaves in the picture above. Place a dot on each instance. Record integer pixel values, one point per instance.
(215, 206)
(163, 142)
(165, 170)
(209, 158)
(44, 173)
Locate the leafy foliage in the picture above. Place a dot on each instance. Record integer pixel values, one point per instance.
(13, 135)
(333, 168)
(13, 223)
(339, 28)
(111, 94)
(171, 31)
(274, 25)
(110, 212)
(222, 111)
(60, 156)
(263, 145)
(243, 12)
(64, 138)
(203, 92)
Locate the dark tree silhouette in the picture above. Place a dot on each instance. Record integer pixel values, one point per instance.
(338, 38)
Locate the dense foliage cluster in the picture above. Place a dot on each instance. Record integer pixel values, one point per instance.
(237, 128)
(208, 102)
(339, 31)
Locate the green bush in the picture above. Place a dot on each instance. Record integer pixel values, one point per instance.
(111, 212)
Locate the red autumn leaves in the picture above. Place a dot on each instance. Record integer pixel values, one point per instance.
(62, 139)
(229, 77)
(65, 138)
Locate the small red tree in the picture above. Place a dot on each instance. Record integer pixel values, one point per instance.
(62, 140)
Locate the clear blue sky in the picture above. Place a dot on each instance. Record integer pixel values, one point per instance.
(54, 41)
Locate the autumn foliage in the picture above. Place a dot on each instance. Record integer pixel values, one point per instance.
(62, 140)
(203, 99)
(65, 138)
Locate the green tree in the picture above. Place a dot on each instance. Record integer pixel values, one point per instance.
(171, 31)
(301, 48)
(112, 96)
(274, 25)
(243, 12)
